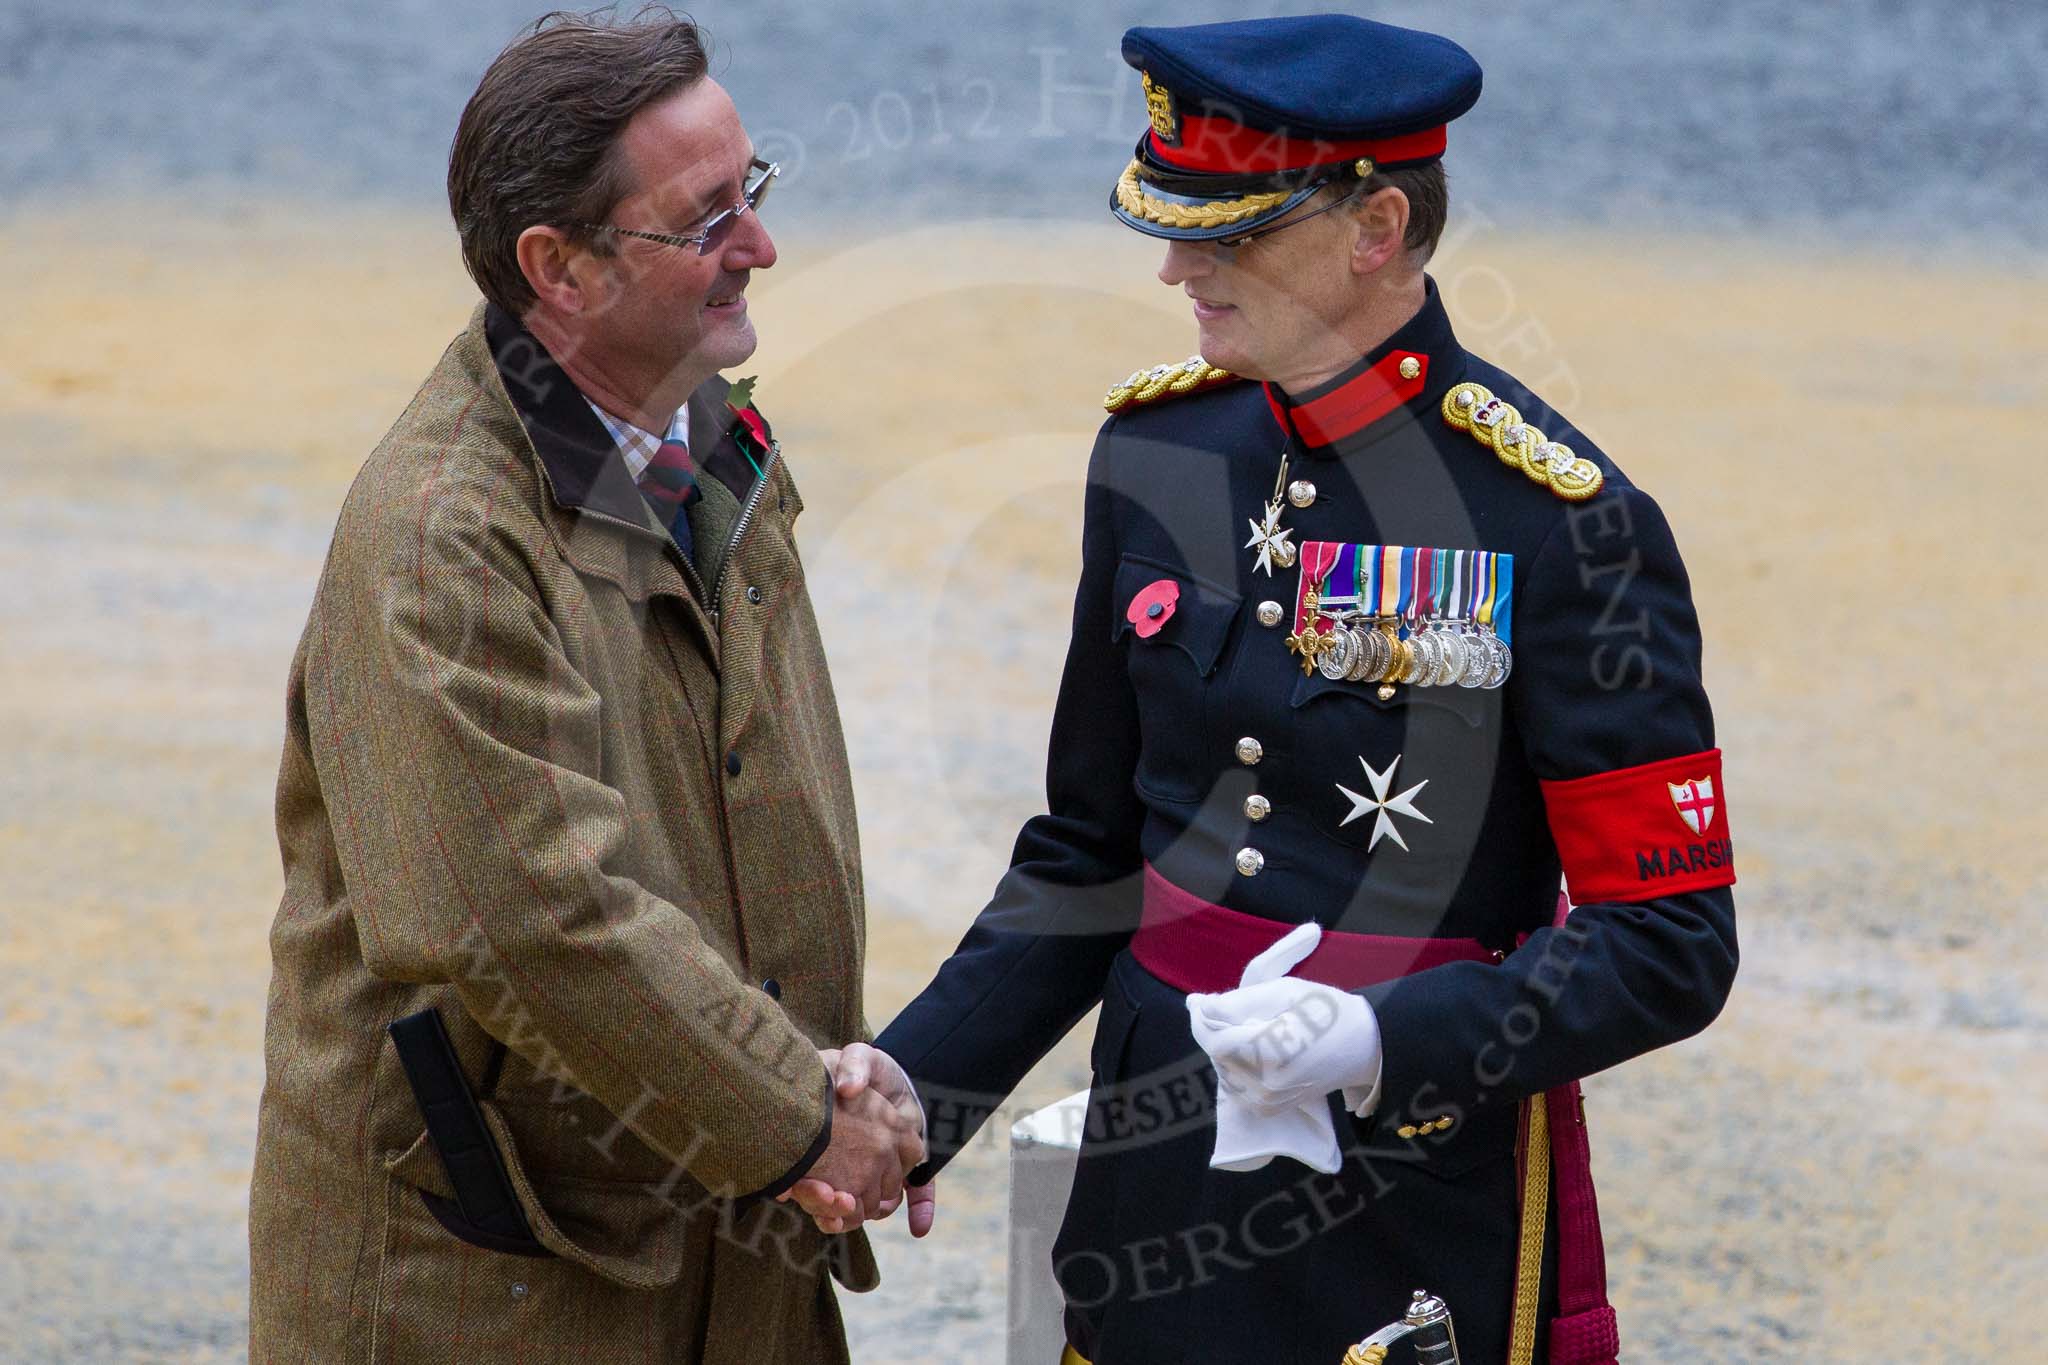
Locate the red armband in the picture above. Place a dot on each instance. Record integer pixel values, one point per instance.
(1637, 833)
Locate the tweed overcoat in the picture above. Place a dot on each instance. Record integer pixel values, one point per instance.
(590, 800)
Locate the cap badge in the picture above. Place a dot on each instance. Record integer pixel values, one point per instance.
(1159, 104)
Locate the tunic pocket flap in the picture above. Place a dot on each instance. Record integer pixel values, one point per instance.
(1160, 604)
(1445, 1145)
(1475, 706)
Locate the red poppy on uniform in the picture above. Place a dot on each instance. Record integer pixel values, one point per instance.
(1152, 607)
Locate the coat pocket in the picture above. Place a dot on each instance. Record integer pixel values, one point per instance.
(1113, 1026)
(442, 1299)
(1174, 627)
(634, 1233)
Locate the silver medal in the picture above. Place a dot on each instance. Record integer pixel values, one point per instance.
(1497, 661)
(1339, 652)
(1456, 653)
(1429, 656)
(1373, 655)
(1478, 659)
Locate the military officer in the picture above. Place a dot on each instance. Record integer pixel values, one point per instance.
(1456, 662)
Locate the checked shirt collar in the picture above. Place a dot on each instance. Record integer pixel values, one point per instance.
(636, 443)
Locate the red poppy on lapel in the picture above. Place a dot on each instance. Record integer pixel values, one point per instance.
(755, 424)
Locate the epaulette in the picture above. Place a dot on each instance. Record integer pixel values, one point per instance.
(1496, 424)
(1148, 386)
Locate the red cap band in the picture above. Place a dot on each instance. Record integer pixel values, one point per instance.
(1230, 148)
(1638, 833)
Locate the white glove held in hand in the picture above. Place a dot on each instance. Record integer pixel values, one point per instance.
(1280, 1045)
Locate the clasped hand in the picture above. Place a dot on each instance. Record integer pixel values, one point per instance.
(877, 1140)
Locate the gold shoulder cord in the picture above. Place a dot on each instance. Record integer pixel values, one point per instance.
(1529, 1256)
(1145, 386)
(1497, 424)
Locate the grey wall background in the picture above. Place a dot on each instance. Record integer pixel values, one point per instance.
(1884, 120)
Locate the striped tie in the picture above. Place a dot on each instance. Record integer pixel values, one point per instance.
(670, 481)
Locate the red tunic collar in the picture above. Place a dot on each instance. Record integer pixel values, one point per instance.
(1355, 404)
(1396, 373)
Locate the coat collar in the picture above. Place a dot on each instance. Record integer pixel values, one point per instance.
(1407, 373)
(584, 468)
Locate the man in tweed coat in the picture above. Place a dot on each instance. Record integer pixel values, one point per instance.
(563, 766)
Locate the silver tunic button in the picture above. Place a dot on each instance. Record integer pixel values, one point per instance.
(1257, 807)
(1270, 613)
(1301, 492)
(1250, 751)
(1250, 861)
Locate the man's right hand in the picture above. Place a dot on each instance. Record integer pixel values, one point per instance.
(862, 1071)
(874, 1144)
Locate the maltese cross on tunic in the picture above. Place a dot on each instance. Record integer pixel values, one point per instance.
(1270, 539)
(1385, 806)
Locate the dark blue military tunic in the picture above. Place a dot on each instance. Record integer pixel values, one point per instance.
(1161, 1257)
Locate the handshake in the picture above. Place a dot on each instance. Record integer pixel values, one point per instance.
(877, 1140)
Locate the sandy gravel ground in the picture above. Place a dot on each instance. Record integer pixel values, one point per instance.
(1849, 450)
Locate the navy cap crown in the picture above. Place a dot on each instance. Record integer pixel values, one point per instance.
(1319, 75)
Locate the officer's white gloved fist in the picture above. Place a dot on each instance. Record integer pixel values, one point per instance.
(1280, 1042)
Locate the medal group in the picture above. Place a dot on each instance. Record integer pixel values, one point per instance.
(1403, 614)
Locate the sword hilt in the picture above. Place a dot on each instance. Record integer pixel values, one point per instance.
(1428, 1321)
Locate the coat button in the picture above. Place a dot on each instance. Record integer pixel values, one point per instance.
(772, 988)
(754, 595)
(1250, 751)
(732, 762)
(1301, 493)
(1411, 368)
(1250, 862)
(1257, 807)
(1270, 613)
(518, 1291)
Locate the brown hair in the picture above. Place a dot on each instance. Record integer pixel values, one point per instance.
(1429, 202)
(537, 141)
